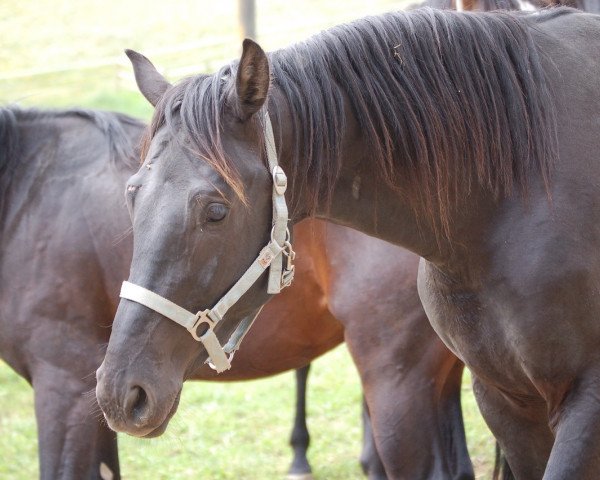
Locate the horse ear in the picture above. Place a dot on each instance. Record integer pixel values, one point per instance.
(151, 83)
(253, 79)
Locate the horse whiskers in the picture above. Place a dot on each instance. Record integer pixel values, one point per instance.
(90, 393)
(119, 238)
(93, 409)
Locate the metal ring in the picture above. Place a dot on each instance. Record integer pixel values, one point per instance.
(288, 235)
(212, 365)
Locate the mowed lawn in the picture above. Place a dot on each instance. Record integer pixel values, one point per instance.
(235, 430)
(63, 53)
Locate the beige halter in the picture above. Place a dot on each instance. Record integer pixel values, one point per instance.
(271, 256)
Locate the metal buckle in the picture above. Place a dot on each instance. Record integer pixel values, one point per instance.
(288, 274)
(201, 317)
(279, 180)
(289, 252)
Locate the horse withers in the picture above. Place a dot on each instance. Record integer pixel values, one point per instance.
(477, 153)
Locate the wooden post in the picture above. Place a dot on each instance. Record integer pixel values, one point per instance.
(247, 18)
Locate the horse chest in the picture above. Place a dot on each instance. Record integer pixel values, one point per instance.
(527, 342)
(461, 322)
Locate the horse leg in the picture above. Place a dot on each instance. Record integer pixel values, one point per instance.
(521, 430)
(74, 442)
(300, 438)
(576, 450)
(369, 458)
(414, 402)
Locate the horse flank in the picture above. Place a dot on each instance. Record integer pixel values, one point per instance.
(443, 99)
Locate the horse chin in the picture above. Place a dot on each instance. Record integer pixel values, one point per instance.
(158, 431)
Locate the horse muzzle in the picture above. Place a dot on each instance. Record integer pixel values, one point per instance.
(131, 406)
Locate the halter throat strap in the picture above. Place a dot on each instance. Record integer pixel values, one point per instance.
(277, 256)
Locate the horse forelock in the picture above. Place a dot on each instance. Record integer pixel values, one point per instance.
(197, 106)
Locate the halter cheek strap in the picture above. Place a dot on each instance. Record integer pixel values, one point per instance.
(201, 325)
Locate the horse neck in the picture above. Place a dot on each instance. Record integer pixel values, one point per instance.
(362, 201)
(56, 148)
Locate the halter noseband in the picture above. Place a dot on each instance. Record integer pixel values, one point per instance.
(201, 325)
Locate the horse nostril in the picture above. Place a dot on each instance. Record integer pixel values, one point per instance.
(136, 405)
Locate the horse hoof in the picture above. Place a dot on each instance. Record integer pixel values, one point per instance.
(300, 476)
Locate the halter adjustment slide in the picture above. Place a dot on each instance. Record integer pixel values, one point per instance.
(201, 317)
(279, 180)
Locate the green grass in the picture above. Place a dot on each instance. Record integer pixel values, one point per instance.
(234, 430)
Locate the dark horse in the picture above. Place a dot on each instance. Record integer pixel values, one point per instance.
(61, 214)
(469, 138)
(65, 248)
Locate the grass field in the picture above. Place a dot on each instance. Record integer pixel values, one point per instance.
(65, 53)
(236, 430)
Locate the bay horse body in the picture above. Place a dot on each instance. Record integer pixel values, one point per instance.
(469, 138)
(65, 249)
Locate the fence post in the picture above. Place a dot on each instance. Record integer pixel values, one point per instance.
(247, 18)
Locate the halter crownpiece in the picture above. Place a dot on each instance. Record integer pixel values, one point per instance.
(201, 325)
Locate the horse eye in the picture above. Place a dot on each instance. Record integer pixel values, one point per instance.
(216, 212)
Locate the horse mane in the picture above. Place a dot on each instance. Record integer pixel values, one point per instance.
(111, 124)
(443, 100)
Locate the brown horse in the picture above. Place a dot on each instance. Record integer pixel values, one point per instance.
(339, 285)
(479, 153)
(65, 248)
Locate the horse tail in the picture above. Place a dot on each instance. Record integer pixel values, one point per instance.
(502, 469)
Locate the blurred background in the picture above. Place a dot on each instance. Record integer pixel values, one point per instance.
(58, 53)
(61, 53)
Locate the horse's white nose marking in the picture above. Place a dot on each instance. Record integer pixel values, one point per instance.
(105, 472)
